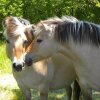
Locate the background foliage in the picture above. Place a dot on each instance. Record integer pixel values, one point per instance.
(35, 10)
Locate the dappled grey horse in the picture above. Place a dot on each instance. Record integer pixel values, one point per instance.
(79, 41)
(45, 75)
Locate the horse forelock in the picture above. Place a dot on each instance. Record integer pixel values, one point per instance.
(55, 21)
(10, 25)
(13, 27)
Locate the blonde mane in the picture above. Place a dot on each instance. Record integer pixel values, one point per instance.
(56, 20)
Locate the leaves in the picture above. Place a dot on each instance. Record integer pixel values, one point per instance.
(36, 10)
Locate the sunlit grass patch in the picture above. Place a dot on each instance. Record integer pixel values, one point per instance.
(57, 95)
(9, 89)
(5, 64)
(10, 94)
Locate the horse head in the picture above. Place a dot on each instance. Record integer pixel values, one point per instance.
(43, 40)
(18, 38)
(45, 43)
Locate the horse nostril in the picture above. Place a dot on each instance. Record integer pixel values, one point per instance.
(28, 62)
(17, 67)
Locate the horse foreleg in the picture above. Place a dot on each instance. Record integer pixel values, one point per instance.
(27, 95)
(86, 92)
(43, 96)
(69, 92)
(26, 92)
(76, 91)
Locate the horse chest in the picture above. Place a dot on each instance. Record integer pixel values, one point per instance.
(34, 77)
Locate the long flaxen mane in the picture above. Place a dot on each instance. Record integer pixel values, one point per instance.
(68, 27)
(57, 20)
(79, 32)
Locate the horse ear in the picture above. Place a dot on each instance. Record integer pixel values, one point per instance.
(5, 21)
(8, 20)
(29, 32)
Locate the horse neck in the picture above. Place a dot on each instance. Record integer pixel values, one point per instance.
(70, 54)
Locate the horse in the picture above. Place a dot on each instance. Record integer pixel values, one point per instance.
(45, 75)
(78, 40)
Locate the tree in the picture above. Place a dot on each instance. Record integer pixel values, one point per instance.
(36, 10)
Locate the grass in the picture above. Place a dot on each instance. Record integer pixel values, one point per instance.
(8, 86)
(5, 64)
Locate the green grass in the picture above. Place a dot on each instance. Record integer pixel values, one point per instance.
(8, 86)
(5, 64)
(8, 90)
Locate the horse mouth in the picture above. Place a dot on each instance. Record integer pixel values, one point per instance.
(17, 69)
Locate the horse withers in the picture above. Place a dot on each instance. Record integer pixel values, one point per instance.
(45, 75)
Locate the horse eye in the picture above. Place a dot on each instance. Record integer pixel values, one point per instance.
(39, 40)
(7, 41)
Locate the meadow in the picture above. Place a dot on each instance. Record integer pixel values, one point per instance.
(8, 86)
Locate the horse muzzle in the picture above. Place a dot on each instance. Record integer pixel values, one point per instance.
(18, 67)
(28, 61)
